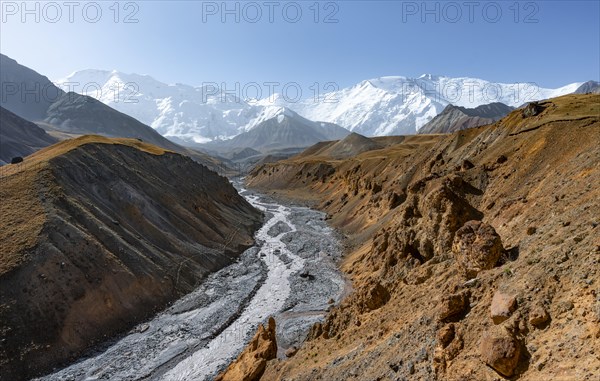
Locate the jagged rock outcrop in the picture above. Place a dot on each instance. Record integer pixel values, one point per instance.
(454, 305)
(503, 305)
(251, 363)
(538, 316)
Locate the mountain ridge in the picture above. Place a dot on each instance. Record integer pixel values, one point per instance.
(456, 118)
(392, 105)
(69, 114)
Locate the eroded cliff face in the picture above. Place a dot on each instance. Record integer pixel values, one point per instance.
(474, 256)
(99, 234)
(251, 363)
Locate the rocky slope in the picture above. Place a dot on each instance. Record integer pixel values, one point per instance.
(78, 114)
(19, 137)
(473, 256)
(98, 234)
(26, 92)
(589, 87)
(455, 118)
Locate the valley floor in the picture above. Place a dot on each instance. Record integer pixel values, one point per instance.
(291, 274)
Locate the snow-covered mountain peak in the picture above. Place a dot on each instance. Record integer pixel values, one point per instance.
(431, 77)
(385, 105)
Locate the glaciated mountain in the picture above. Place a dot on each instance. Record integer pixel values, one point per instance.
(402, 105)
(189, 114)
(375, 107)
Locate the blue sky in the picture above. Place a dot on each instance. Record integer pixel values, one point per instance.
(551, 43)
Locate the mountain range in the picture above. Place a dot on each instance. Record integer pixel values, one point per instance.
(377, 107)
(34, 98)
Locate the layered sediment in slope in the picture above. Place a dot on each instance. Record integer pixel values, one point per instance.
(98, 234)
(474, 256)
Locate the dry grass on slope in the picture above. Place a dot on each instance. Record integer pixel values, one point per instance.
(24, 188)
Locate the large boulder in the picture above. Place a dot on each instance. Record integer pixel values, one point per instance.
(251, 363)
(538, 316)
(532, 109)
(476, 247)
(500, 350)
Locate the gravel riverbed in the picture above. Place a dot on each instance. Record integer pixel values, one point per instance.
(290, 274)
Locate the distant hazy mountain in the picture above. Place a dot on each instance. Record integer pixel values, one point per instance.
(24, 91)
(286, 129)
(20, 137)
(589, 87)
(456, 118)
(78, 114)
(68, 112)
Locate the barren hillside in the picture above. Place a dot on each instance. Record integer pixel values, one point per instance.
(474, 256)
(98, 234)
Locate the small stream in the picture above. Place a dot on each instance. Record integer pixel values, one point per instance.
(290, 274)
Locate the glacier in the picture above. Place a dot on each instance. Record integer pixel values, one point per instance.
(391, 105)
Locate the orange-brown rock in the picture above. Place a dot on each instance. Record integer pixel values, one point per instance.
(538, 316)
(375, 297)
(454, 305)
(503, 305)
(500, 350)
(251, 363)
(477, 247)
(446, 334)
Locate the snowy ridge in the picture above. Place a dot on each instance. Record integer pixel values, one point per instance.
(376, 107)
(401, 105)
(193, 114)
